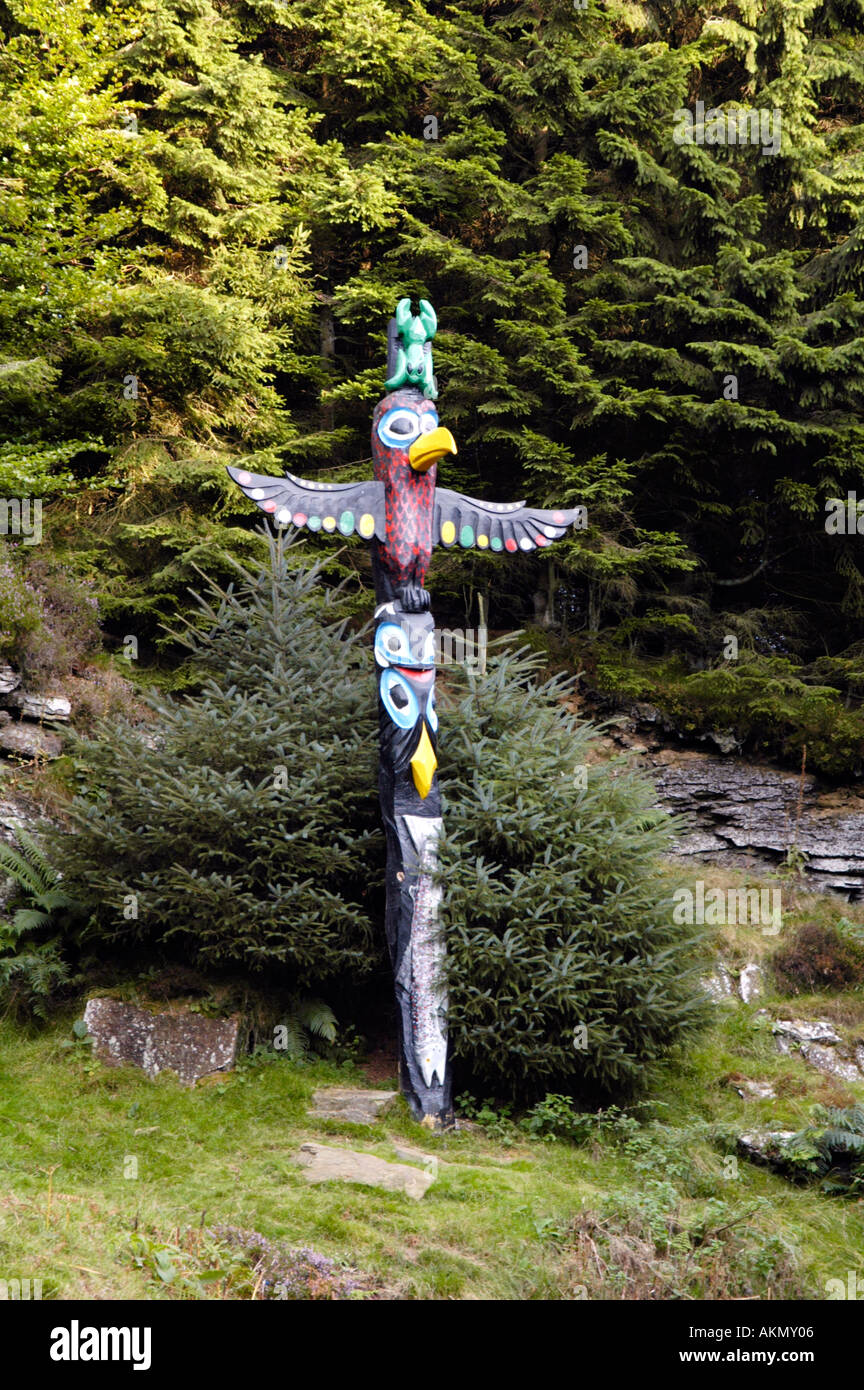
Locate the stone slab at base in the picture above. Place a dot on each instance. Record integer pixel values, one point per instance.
(181, 1041)
(324, 1164)
(350, 1103)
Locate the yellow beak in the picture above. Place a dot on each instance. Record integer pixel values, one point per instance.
(429, 448)
(423, 764)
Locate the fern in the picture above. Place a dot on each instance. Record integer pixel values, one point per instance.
(305, 1021)
(317, 1018)
(833, 1144)
(32, 971)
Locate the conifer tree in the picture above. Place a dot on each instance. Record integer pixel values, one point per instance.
(567, 972)
(239, 829)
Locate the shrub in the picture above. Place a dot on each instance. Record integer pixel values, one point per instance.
(555, 1118)
(818, 957)
(49, 622)
(19, 604)
(240, 828)
(68, 631)
(555, 913)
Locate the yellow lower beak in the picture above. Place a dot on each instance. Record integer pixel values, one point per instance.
(423, 764)
(429, 448)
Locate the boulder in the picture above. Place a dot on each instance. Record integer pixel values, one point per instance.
(832, 1060)
(29, 741)
(350, 1103)
(718, 985)
(750, 982)
(821, 1045)
(9, 679)
(178, 1041)
(756, 1090)
(324, 1164)
(764, 1145)
(55, 708)
(801, 1030)
(724, 739)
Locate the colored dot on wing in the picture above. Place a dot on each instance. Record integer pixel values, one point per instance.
(244, 478)
(496, 542)
(346, 523)
(482, 541)
(448, 533)
(366, 525)
(541, 540)
(283, 516)
(268, 506)
(558, 516)
(299, 518)
(314, 523)
(329, 523)
(526, 543)
(510, 544)
(466, 536)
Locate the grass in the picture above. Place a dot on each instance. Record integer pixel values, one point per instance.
(111, 1185)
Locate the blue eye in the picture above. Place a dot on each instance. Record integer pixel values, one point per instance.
(399, 700)
(400, 427)
(391, 645)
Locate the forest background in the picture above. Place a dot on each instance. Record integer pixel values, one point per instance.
(208, 212)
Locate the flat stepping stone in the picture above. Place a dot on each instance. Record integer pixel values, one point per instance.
(321, 1163)
(350, 1103)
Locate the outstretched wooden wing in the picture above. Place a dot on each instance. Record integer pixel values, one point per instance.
(500, 526)
(343, 507)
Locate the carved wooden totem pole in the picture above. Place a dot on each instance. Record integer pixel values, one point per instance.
(404, 514)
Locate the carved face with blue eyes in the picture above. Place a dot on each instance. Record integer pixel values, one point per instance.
(405, 655)
(407, 640)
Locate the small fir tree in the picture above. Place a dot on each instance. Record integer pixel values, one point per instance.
(239, 828)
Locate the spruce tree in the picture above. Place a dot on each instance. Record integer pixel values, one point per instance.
(566, 970)
(238, 828)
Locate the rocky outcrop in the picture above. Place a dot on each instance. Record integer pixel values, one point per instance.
(746, 815)
(54, 708)
(750, 983)
(765, 1146)
(719, 985)
(20, 739)
(821, 1045)
(9, 679)
(755, 1090)
(29, 741)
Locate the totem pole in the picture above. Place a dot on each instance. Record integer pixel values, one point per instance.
(403, 513)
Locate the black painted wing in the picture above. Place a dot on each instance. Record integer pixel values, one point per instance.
(344, 507)
(499, 526)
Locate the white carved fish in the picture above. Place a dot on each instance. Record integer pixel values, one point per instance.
(427, 993)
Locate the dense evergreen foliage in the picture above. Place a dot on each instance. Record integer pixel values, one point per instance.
(566, 969)
(209, 208)
(239, 827)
